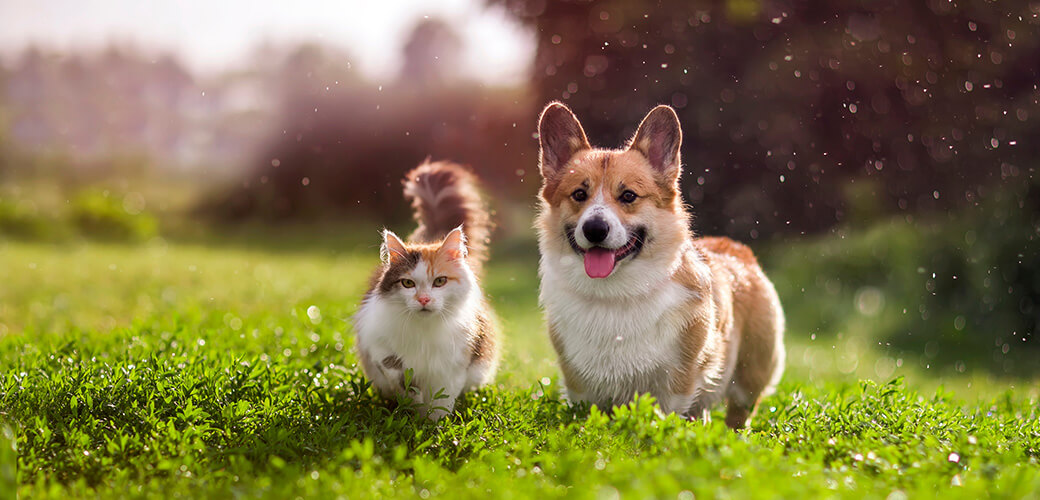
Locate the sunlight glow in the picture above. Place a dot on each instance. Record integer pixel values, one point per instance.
(216, 36)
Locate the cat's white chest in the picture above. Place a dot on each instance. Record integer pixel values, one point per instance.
(433, 347)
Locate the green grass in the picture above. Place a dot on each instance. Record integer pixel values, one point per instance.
(224, 368)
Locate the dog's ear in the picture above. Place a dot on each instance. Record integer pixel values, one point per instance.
(392, 251)
(658, 139)
(560, 137)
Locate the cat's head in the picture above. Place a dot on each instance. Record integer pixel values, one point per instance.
(425, 278)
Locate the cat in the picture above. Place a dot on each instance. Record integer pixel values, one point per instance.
(425, 314)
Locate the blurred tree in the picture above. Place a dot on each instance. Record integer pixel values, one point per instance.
(94, 106)
(341, 145)
(432, 54)
(307, 71)
(787, 104)
(122, 102)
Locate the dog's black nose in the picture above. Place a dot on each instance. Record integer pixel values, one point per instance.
(595, 229)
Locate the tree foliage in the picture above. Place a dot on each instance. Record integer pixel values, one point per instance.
(794, 111)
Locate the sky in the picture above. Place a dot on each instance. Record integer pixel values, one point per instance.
(215, 35)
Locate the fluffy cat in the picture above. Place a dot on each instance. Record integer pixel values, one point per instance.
(425, 310)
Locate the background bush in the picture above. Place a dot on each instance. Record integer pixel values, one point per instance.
(21, 219)
(98, 213)
(960, 289)
(88, 212)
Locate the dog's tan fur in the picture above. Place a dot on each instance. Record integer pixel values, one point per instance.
(726, 297)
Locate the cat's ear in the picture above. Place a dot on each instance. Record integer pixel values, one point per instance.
(392, 251)
(454, 245)
(560, 137)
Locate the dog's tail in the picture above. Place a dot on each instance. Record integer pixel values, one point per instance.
(444, 196)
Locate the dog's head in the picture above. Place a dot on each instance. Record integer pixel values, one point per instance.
(618, 211)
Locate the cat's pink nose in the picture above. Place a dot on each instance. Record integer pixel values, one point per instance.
(423, 299)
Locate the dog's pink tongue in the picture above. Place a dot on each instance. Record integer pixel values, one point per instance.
(599, 262)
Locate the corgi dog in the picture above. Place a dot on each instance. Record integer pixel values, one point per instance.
(634, 303)
(424, 311)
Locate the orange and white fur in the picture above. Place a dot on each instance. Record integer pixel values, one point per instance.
(424, 310)
(635, 303)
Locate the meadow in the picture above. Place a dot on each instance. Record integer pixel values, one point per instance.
(221, 366)
(183, 243)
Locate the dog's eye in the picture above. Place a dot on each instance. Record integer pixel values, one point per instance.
(579, 195)
(407, 283)
(440, 281)
(628, 197)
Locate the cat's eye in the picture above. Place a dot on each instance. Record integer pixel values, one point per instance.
(407, 283)
(628, 196)
(440, 281)
(579, 195)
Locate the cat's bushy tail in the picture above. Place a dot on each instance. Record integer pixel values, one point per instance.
(443, 196)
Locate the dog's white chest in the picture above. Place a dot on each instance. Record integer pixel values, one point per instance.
(623, 344)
